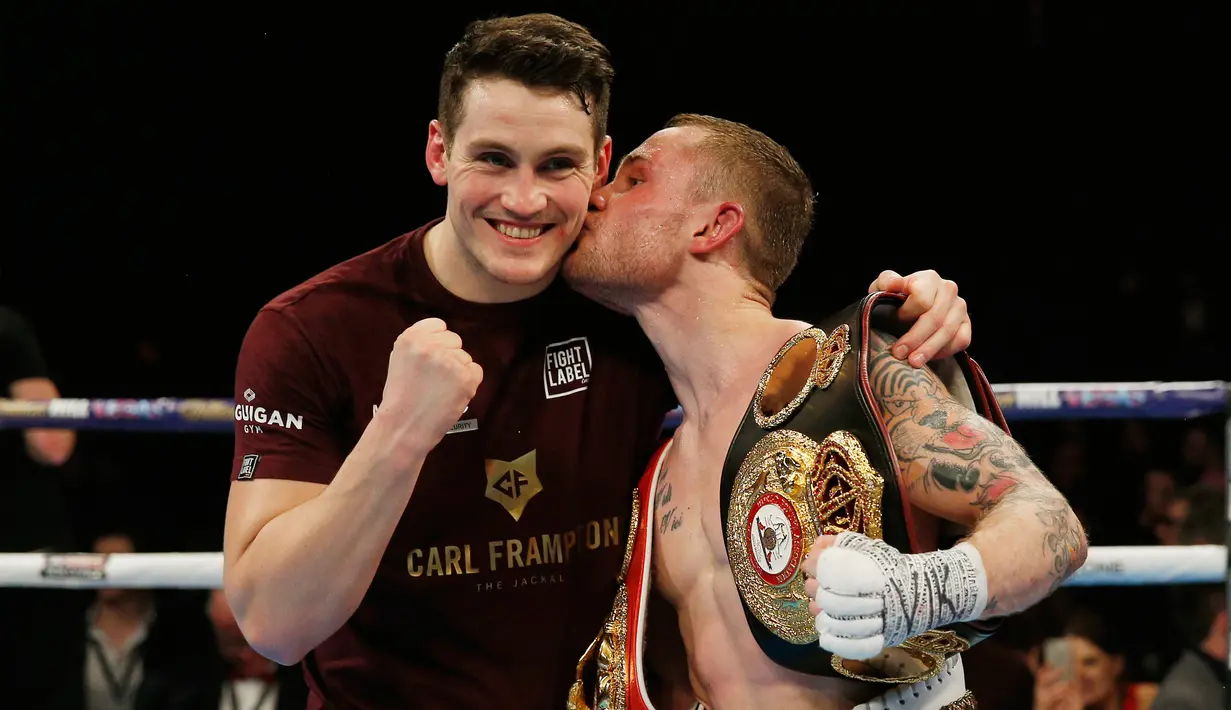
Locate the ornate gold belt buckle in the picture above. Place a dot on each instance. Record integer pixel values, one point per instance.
(930, 650)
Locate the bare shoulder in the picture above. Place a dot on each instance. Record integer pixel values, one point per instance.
(252, 504)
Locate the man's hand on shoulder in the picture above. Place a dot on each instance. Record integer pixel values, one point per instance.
(941, 322)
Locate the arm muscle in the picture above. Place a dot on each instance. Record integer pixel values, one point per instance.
(962, 468)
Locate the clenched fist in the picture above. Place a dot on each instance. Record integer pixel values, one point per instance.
(868, 596)
(430, 383)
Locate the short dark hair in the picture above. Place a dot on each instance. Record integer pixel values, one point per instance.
(775, 191)
(539, 50)
(1206, 522)
(1087, 622)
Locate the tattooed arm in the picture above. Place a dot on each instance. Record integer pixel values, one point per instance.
(962, 468)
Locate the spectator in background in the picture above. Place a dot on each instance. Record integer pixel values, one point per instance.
(33, 513)
(26, 377)
(117, 625)
(1095, 670)
(146, 650)
(43, 624)
(1198, 679)
(1157, 495)
(1204, 462)
(1167, 529)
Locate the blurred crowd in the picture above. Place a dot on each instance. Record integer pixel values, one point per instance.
(1133, 482)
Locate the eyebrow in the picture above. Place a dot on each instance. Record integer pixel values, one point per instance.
(569, 149)
(632, 159)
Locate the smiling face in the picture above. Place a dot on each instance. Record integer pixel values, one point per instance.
(520, 169)
(637, 238)
(1096, 672)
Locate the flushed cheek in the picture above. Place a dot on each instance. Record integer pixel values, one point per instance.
(573, 204)
(476, 191)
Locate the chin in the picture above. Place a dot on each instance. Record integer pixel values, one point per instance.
(523, 276)
(597, 291)
(523, 272)
(607, 299)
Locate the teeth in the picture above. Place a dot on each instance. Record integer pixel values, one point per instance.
(518, 232)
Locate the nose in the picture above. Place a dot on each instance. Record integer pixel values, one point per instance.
(524, 195)
(598, 198)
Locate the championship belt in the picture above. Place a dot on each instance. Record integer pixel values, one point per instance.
(614, 661)
(812, 457)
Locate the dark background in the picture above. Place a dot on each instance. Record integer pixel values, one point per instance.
(173, 170)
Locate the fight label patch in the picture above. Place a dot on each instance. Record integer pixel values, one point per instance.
(566, 367)
(247, 467)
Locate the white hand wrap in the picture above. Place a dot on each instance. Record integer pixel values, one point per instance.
(872, 597)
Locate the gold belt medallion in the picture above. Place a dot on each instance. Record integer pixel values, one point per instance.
(789, 490)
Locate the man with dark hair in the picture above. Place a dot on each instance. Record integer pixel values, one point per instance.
(790, 428)
(1198, 678)
(522, 48)
(442, 525)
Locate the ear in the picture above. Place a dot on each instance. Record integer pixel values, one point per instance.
(726, 222)
(436, 154)
(602, 163)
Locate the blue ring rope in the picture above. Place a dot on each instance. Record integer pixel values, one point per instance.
(1020, 402)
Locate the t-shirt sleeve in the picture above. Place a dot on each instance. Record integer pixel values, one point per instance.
(20, 356)
(287, 424)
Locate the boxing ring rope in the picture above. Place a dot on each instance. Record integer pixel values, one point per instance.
(1105, 566)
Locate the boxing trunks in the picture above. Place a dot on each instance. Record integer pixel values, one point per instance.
(811, 457)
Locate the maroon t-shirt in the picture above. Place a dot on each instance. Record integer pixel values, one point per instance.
(503, 566)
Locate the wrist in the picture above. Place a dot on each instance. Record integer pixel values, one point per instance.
(392, 445)
(948, 587)
(974, 567)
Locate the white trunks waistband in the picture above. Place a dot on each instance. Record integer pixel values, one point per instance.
(947, 687)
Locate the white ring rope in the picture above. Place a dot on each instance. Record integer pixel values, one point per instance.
(1109, 566)
(1105, 566)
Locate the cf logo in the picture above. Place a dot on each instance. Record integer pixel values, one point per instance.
(511, 483)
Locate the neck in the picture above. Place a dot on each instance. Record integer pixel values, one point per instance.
(1215, 645)
(463, 276)
(715, 341)
(130, 607)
